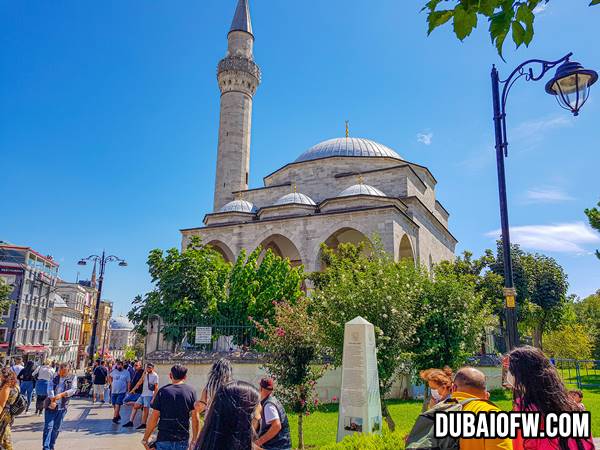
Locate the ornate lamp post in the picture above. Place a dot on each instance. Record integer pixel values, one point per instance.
(571, 87)
(102, 260)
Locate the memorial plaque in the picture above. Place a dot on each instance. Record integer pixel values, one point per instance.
(203, 335)
(360, 405)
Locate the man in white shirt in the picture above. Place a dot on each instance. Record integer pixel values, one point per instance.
(60, 389)
(150, 388)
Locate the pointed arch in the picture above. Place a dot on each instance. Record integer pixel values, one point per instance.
(405, 252)
(282, 247)
(223, 249)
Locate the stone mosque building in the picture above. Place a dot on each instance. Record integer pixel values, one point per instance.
(345, 189)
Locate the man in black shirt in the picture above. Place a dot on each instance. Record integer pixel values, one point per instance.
(100, 374)
(172, 408)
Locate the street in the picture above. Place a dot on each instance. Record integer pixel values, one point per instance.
(83, 422)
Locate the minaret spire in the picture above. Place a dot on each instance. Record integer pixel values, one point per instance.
(238, 77)
(241, 19)
(93, 280)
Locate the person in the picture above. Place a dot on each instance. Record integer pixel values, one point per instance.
(577, 395)
(149, 386)
(220, 374)
(136, 381)
(173, 406)
(274, 433)
(470, 383)
(439, 382)
(232, 418)
(9, 390)
(62, 387)
(120, 383)
(44, 374)
(18, 365)
(26, 380)
(537, 387)
(100, 375)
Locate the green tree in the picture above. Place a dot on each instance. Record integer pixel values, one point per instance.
(454, 318)
(5, 302)
(541, 285)
(295, 350)
(587, 312)
(189, 285)
(594, 218)
(370, 284)
(569, 342)
(253, 284)
(506, 18)
(129, 353)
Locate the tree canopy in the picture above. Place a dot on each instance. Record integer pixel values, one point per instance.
(594, 218)
(5, 291)
(506, 18)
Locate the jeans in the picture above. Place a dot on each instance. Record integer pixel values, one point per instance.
(27, 390)
(52, 421)
(172, 445)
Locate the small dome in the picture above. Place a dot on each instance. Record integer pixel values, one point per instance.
(348, 146)
(121, 323)
(239, 206)
(361, 189)
(295, 198)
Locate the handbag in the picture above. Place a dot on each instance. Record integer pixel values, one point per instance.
(151, 386)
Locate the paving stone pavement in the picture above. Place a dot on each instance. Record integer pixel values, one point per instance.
(86, 426)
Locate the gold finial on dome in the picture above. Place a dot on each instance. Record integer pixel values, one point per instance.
(347, 128)
(239, 195)
(361, 180)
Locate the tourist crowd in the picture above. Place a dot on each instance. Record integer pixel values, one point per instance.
(240, 416)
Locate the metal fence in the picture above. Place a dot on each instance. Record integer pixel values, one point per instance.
(583, 373)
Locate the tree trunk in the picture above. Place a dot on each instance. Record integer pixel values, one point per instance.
(537, 337)
(387, 416)
(426, 398)
(300, 433)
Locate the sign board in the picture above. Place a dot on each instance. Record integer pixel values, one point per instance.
(360, 404)
(203, 335)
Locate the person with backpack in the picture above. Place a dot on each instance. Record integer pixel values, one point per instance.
(43, 374)
(468, 395)
(537, 387)
(9, 393)
(62, 387)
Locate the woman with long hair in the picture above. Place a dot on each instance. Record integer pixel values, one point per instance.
(439, 382)
(220, 374)
(537, 387)
(9, 389)
(26, 380)
(232, 419)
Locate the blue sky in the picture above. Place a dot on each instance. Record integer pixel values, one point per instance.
(109, 116)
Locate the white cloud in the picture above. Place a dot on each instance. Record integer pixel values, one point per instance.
(546, 194)
(425, 138)
(540, 8)
(561, 237)
(535, 129)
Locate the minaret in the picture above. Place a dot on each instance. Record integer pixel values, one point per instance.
(238, 78)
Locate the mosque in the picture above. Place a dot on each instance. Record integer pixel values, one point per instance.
(345, 189)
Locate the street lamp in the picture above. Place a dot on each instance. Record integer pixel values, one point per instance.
(571, 87)
(102, 260)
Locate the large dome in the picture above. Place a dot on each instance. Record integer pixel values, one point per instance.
(121, 323)
(348, 146)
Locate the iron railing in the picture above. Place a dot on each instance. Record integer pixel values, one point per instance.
(583, 373)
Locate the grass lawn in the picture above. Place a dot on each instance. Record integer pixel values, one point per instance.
(320, 428)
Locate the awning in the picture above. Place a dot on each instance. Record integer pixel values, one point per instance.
(32, 348)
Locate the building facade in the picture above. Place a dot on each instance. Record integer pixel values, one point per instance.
(341, 190)
(87, 319)
(103, 331)
(26, 324)
(65, 329)
(122, 336)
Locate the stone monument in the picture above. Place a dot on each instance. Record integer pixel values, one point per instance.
(360, 405)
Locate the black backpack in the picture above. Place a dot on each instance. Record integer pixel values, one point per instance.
(18, 407)
(422, 435)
